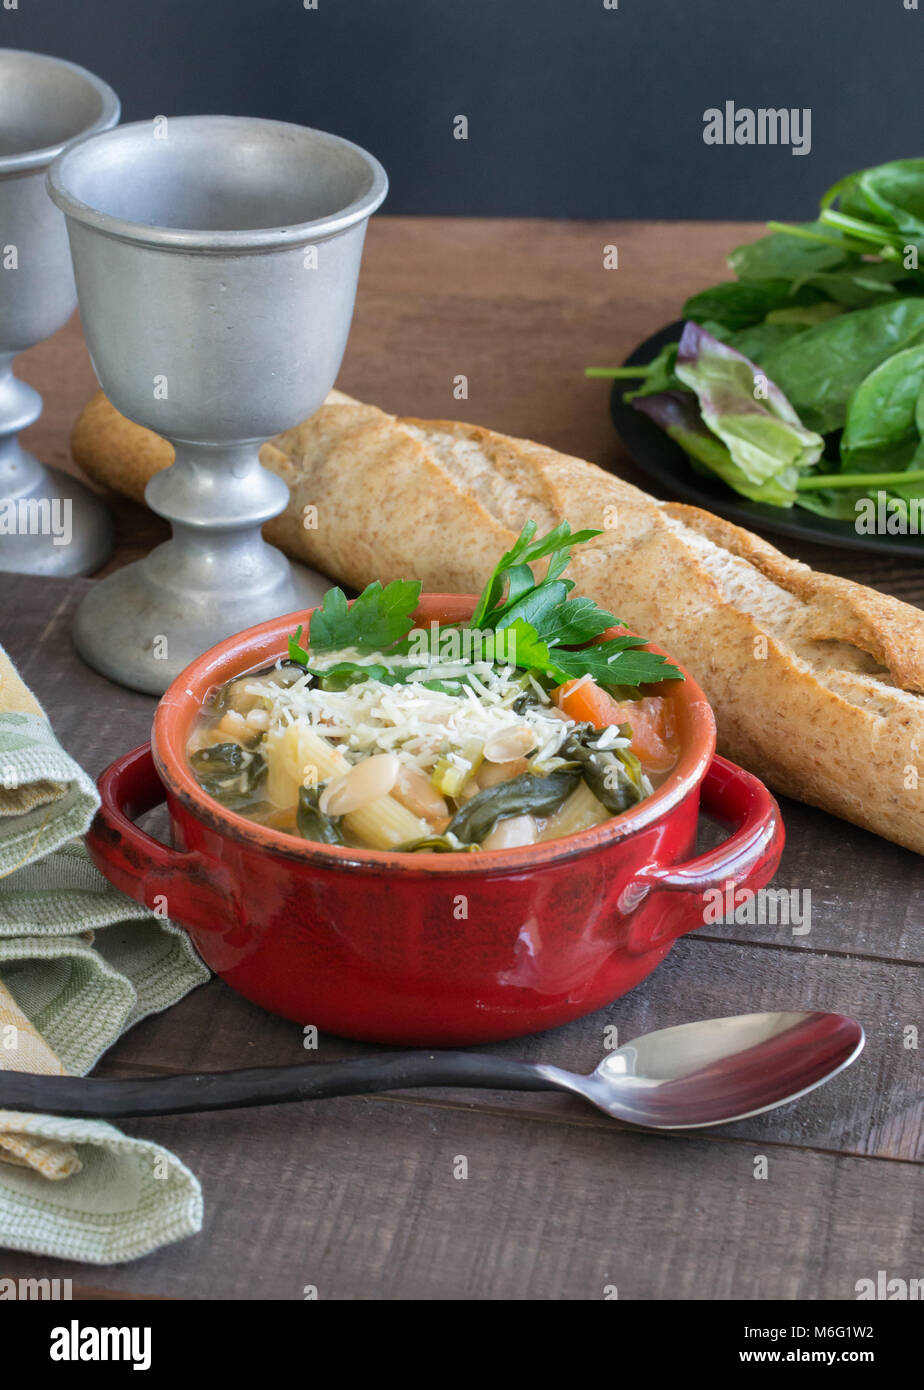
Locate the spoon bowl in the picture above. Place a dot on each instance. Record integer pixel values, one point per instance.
(719, 1070)
(687, 1077)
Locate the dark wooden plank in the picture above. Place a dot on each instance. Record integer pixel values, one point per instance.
(364, 1205)
(520, 307)
(857, 893)
(874, 1109)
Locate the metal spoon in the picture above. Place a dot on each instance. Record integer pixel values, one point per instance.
(697, 1074)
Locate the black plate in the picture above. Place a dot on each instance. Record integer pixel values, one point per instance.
(663, 460)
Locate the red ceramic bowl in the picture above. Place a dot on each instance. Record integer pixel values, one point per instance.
(421, 949)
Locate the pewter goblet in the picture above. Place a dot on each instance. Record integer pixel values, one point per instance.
(216, 260)
(49, 522)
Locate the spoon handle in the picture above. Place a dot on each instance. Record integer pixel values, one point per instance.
(99, 1098)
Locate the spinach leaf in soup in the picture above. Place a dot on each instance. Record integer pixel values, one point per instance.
(614, 776)
(436, 844)
(312, 823)
(527, 794)
(228, 772)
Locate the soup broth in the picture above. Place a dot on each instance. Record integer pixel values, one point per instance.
(377, 752)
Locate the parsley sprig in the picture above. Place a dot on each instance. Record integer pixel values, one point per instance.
(544, 620)
(374, 622)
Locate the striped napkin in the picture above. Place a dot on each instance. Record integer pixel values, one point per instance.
(79, 964)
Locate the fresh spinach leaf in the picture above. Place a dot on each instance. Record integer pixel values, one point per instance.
(840, 504)
(659, 375)
(882, 433)
(819, 370)
(758, 342)
(822, 308)
(781, 256)
(863, 283)
(803, 316)
(737, 304)
(887, 199)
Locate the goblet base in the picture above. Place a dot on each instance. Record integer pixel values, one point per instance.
(140, 628)
(50, 523)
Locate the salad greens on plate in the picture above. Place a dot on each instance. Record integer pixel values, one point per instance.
(801, 382)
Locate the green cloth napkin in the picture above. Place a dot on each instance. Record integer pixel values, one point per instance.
(82, 962)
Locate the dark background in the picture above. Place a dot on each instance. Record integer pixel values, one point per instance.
(574, 110)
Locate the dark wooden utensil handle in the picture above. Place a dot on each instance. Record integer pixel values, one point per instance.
(100, 1098)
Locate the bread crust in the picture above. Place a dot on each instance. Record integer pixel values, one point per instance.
(815, 681)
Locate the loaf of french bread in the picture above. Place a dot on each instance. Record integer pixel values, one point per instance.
(816, 682)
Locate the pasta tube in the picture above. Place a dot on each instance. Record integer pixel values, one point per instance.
(581, 811)
(299, 756)
(385, 823)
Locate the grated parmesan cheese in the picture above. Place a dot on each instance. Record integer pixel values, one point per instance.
(417, 724)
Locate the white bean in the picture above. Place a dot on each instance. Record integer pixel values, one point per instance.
(206, 737)
(365, 782)
(509, 744)
(469, 788)
(414, 790)
(235, 724)
(512, 832)
(490, 774)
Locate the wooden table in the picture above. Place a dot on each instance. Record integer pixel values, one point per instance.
(358, 1197)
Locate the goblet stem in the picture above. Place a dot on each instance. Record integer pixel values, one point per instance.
(214, 577)
(20, 406)
(217, 487)
(50, 523)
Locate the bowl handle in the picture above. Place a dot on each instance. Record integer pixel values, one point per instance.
(171, 882)
(747, 859)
